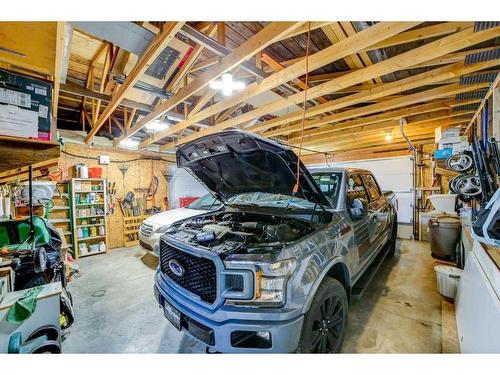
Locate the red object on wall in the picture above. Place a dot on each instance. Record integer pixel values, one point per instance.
(95, 172)
(186, 201)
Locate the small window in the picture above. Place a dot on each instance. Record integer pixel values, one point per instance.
(371, 185)
(355, 188)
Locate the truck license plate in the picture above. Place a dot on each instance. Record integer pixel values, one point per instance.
(172, 314)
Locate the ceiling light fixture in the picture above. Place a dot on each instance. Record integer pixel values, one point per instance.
(388, 136)
(156, 126)
(129, 142)
(227, 85)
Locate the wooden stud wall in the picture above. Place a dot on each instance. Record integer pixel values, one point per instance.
(137, 176)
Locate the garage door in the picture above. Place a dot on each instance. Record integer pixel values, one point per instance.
(394, 174)
(182, 184)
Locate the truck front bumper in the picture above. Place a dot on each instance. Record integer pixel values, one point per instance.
(243, 331)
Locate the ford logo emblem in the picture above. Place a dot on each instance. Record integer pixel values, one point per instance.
(176, 268)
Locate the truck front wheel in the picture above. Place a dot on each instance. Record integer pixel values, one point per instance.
(325, 323)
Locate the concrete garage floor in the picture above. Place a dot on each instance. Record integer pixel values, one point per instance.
(116, 311)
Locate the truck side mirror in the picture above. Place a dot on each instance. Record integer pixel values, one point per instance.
(358, 209)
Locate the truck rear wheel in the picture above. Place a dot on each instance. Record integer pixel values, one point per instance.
(325, 323)
(392, 239)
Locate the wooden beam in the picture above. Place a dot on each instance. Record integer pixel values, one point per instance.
(422, 79)
(460, 40)
(104, 74)
(409, 36)
(303, 29)
(276, 66)
(158, 44)
(374, 142)
(221, 33)
(421, 34)
(256, 43)
(335, 32)
(118, 123)
(427, 95)
(57, 70)
(364, 57)
(87, 93)
(492, 88)
(205, 64)
(348, 46)
(417, 123)
(386, 116)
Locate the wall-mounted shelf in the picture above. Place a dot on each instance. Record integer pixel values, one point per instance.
(19, 152)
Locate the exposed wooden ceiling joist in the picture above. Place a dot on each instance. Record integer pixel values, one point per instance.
(445, 45)
(427, 95)
(386, 116)
(258, 42)
(344, 48)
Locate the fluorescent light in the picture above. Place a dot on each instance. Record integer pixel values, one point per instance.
(129, 142)
(227, 85)
(156, 126)
(388, 137)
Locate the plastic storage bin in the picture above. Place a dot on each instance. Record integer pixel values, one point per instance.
(95, 172)
(447, 280)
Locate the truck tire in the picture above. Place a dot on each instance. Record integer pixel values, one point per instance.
(392, 239)
(325, 323)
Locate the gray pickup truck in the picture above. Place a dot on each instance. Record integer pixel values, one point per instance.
(273, 269)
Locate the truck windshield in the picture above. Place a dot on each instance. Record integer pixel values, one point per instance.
(270, 200)
(329, 183)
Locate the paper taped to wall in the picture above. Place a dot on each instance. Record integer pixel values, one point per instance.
(18, 122)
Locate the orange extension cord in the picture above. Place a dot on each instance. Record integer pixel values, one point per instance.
(296, 187)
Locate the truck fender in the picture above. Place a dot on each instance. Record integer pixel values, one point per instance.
(336, 260)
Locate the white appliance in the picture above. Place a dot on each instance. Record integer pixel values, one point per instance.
(477, 304)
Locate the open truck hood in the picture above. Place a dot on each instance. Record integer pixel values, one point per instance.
(234, 162)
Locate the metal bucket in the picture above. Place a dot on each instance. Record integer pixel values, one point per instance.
(444, 235)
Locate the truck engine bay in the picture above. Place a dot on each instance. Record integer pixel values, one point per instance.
(240, 232)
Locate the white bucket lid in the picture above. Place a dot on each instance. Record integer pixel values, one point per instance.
(449, 271)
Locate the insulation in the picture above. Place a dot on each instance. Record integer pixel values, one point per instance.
(471, 95)
(478, 26)
(469, 107)
(482, 56)
(478, 78)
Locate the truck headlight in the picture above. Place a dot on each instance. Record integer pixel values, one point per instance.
(270, 282)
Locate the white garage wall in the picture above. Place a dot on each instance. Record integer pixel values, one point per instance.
(182, 184)
(394, 174)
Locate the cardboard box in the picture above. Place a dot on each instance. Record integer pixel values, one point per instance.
(25, 106)
(450, 142)
(440, 133)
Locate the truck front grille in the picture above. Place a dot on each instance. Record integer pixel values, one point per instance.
(200, 274)
(146, 229)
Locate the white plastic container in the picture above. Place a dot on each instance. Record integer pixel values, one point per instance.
(447, 280)
(444, 202)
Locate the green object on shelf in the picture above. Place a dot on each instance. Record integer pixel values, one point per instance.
(24, 307)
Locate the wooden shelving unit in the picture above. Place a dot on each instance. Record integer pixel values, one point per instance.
(131, 226)
(60, 215)
(89, 203)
